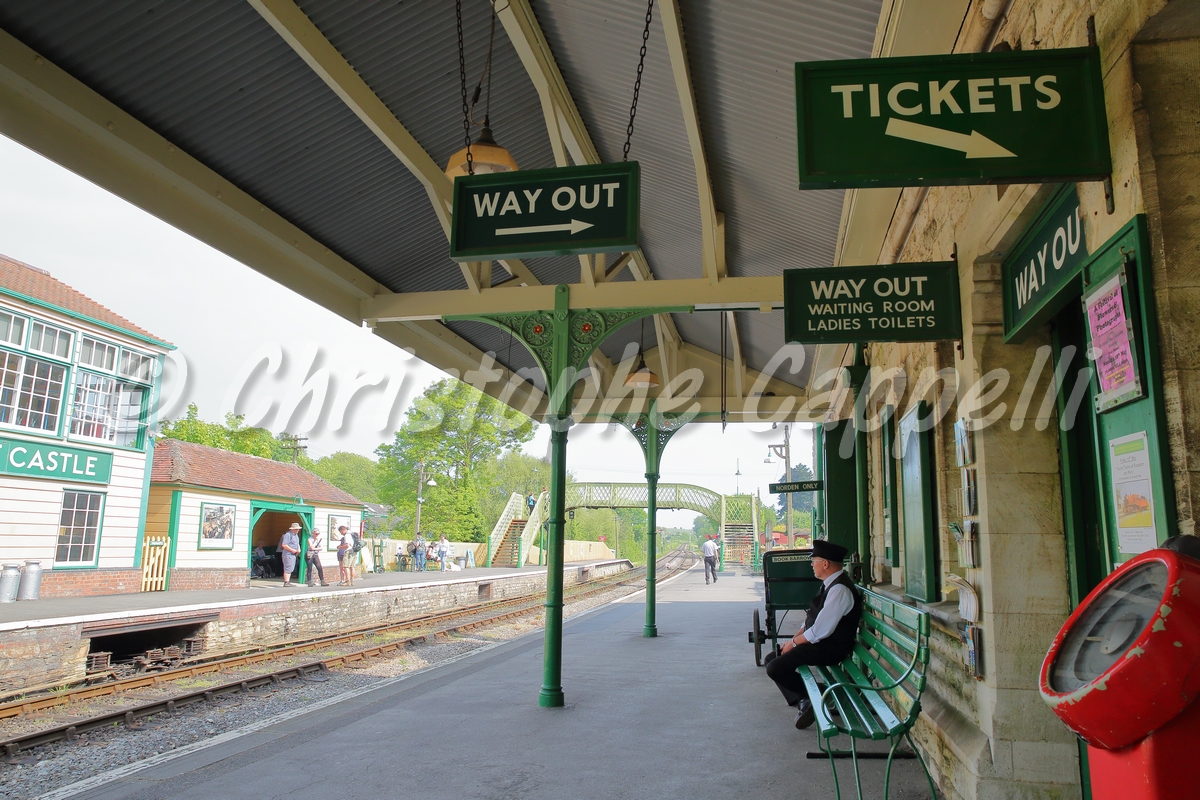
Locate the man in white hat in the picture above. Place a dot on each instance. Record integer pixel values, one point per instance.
(289, 548)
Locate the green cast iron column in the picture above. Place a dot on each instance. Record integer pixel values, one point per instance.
(560, 341)
(650, 630)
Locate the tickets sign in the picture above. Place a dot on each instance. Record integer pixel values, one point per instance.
(1019, 117)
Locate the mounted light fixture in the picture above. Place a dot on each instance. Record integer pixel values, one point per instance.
(483, 156)
(486, 157)
(641, 377)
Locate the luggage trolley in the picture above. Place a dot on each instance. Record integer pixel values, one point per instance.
(790, 584)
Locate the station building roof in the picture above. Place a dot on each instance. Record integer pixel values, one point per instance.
(37, 286)
(190, 464)
(307, 139)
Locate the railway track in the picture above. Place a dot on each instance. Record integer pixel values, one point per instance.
(420, 629)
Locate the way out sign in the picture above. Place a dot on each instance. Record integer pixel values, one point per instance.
(546, 212)
(1015, 117)
(897, 303)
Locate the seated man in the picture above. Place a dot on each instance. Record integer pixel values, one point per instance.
(828, 633)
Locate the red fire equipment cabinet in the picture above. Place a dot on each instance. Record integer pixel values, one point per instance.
(1123, 672)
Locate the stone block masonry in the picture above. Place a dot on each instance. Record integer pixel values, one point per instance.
(54, 651)
(182, 580)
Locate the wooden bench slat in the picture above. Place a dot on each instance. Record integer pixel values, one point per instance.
(850, 721)
(852, 703)
(824, 725)
(893, 659)
(882, 710)
(903, 695)
(896, 636)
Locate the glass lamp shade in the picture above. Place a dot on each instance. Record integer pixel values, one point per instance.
(642, 377)
(486, 157)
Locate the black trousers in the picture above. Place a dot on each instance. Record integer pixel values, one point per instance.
(710, 566)
(782, 668)
(314, 561)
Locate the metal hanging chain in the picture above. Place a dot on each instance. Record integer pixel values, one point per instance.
(462, 78)
(486, 74)
(637, 84)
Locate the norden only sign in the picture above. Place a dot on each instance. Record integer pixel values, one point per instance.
(35, 460)
(797, 486)
(896, 303)
(1049, 255)
(545, 212)
(1021, 117)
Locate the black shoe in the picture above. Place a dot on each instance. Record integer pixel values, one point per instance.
(805, 716)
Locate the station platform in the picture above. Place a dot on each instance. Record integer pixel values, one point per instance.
(45, 642)
(685, 715)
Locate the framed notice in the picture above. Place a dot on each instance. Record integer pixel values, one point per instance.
(1110, 332)
(216, 526)
(332, 537)
(1133, 493)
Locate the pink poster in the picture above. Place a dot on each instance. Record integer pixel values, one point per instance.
(1109, 328)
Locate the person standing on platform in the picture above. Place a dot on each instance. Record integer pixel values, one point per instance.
(531, 502)
(289, 548)
(419, 552)
(829, 631)
(709, 549)
(346, 555)
(443, 551)
(316, 575)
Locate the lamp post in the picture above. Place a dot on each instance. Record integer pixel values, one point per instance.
(784, 451)
(423, 479)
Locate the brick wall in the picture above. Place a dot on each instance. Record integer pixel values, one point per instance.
(186, 579)
(89, 582)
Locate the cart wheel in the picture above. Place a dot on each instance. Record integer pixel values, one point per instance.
(758, 640)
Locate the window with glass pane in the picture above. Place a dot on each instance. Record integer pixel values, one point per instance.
(96, 400)
(50, 340)
(12, 329)
(129, 415)
(137, 366)
(31, 392)
(97, 354)
(79, 528)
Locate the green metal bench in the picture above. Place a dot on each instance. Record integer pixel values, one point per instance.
(875, 694)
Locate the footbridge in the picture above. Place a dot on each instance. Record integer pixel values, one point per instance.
(738, 516)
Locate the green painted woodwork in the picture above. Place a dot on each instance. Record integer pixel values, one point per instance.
(592, 208)
(891, 531)
(818, 517)
(173, 529)
(1030, 116)
(916, 481)
(1042, 270)
(840, 501)
(895, 303)
(1129, 249)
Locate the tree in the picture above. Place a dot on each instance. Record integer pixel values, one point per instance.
(801, 501)
(458, 432)
(512, 472)
(230, 436)
(703, 527)
(350, 472)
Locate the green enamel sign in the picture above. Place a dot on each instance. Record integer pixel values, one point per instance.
(37, 460)
(896, 303)
(1030, 116)
(546, 212)
(797, 486)
(1048, 257)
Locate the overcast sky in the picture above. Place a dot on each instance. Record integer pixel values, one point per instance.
(224, 316)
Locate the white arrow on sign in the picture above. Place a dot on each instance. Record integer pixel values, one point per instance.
(974, 146)
(574, 226)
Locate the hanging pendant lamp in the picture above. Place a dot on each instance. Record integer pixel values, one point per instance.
(486, 156)
(641, 377)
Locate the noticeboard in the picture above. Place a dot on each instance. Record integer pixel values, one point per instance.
(1017, 117)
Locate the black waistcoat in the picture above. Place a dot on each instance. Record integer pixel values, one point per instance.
(838, 645)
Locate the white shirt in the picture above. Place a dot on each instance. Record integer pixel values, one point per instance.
(838, 602)
(347, 543)
(709, 548)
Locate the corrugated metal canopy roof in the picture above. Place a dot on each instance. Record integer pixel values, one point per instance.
(213, 77)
